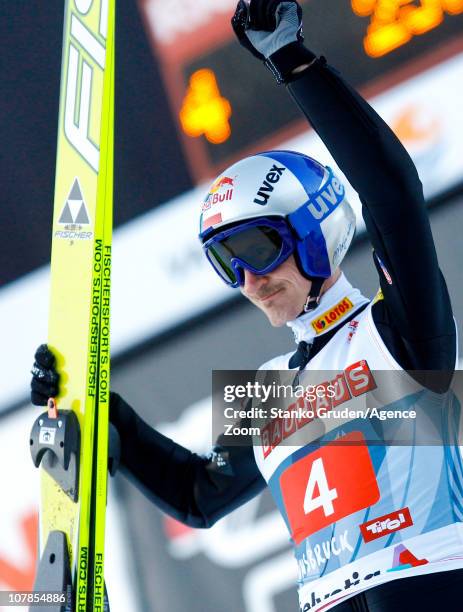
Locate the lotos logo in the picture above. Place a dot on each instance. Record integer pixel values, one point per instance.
(272, 177)
(385, 525)
(332, 316)
(217, 194)
(332, 194)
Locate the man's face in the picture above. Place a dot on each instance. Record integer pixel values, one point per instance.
(281, 294)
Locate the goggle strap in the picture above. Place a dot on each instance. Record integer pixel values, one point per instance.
(313, 299)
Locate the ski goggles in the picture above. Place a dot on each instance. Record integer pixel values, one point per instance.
(259, 245)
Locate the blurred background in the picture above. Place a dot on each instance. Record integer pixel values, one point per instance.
(189, 101)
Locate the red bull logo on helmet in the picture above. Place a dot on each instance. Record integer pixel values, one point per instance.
(220, 182)
(220, 191)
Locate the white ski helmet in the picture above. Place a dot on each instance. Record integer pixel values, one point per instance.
(275, 186)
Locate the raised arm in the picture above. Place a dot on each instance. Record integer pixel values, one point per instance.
(416, 304)
(381, 171)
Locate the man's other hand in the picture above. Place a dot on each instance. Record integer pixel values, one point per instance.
(272, 31)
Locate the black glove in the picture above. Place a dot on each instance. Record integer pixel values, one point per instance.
(45, 378)
(272, 31)
(45, 384)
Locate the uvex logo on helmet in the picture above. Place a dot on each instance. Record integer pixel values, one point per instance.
(272, 177)
(331, 195)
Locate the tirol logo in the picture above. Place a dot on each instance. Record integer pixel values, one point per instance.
(220, 191)
(385, 525)
(332, 316)
(272, 177)
(330, 196)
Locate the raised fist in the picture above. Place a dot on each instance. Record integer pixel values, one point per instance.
(272, 31)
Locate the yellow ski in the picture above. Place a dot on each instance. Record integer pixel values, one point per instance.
(72, 441)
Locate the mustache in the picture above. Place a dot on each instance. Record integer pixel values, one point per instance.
(265, 293)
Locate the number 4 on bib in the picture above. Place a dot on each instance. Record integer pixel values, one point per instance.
(325, 497)
(328, 484)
